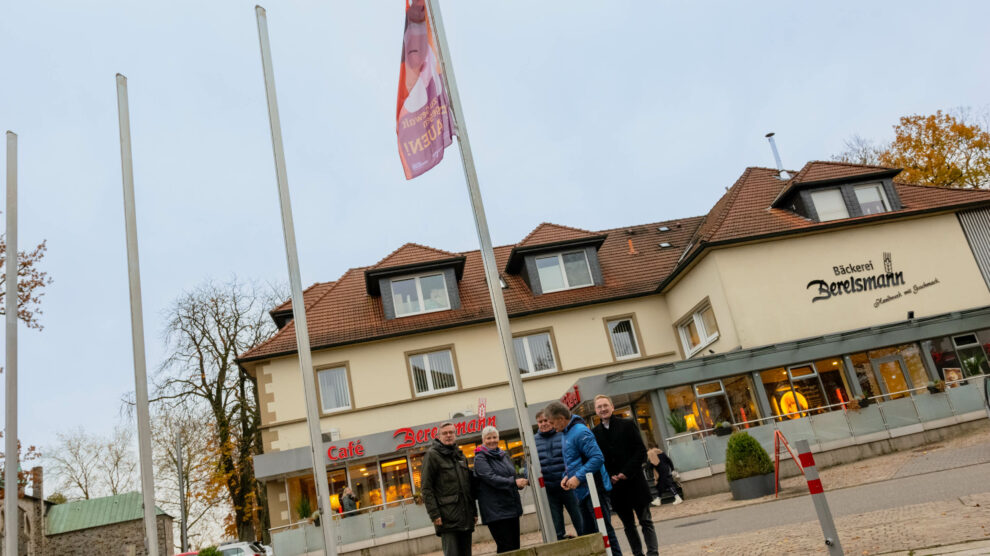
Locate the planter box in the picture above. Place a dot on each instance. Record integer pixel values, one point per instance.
(752, 487)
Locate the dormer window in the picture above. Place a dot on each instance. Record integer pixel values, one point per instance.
(564, 271)
(872, 199)
(829, 205)
(424, 293)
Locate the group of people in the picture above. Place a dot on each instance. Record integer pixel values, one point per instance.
(613, 453)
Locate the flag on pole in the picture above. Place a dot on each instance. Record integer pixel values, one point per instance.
(424, 121)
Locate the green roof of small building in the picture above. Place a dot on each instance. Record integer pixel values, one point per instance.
(96, 512)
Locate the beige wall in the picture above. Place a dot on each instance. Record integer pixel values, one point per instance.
(766, 283)
(703, 281)
(380, 377)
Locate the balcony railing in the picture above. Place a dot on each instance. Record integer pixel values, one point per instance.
(702, 453)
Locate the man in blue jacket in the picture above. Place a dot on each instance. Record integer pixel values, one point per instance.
(550, 445)
(582, 456)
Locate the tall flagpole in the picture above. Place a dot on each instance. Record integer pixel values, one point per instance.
(12, 459)
(295, 283)
(137, 323)
(494, 286)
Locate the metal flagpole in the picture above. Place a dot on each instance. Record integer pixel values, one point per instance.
(183, 515)
(494, 286)
(12, 459)
(298, 305)
(137, 323)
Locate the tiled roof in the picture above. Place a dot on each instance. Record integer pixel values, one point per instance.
(95, 512)
(346, 313)
(632, 261)
(553, 233)
(310, 295)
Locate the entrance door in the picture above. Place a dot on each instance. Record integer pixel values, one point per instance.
(894, 379)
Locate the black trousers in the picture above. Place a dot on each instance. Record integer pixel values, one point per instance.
(645, 519)
(506, 534)
(456, 543)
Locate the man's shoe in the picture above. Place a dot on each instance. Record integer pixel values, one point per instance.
(656, 502)
(677, 499)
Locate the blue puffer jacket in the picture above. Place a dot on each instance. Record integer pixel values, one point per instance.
(550, 446)
(582, 456)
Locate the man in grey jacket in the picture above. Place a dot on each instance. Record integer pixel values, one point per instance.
(446, 489)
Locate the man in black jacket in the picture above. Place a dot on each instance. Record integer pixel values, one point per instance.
(625, 454)
(446, 490)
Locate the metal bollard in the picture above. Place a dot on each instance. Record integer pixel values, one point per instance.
(599, 516)
(807, 462)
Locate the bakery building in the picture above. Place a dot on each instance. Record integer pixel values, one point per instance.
(796, 297)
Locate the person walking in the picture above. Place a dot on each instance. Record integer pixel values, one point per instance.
(663, 472)
(550, 446)
(498, 491)
(582, 456)
(348, 503)
(446, 491)
(625, 454)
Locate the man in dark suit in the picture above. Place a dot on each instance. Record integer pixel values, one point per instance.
(625, 454)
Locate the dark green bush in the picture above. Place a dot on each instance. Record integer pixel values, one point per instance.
(210, 551)
(744, 457)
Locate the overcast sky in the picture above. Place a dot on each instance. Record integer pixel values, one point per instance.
(588, 114)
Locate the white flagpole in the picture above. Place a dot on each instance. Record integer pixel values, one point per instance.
(137, 323)
(494, 286)
(295, 283)
(12, 457)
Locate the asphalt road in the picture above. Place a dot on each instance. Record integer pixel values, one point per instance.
(941, 485)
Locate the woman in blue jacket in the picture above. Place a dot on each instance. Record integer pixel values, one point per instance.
(498, 491)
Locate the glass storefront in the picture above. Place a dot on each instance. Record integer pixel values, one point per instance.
(395, 478)
(702, 406)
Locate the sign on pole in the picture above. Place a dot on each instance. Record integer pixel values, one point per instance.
(137, 322)
(295, 283)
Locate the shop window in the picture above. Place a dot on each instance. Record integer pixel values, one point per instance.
(337, 478)
(888, 363)
(798, 390)
(433, 372)
(534, 354)
(644, 418)
(563, 271)
(395, 479)
(829, 205)
(972, 356)
(417, 470)
(864, 375)
(419, 294)
(946, 361)
(698, 330)
(706, 404)
(364, 484)
(713, 406)
(683, 415)
(833, 381)
(622, 335)
(468, 451)
(742, 400)
(872, 199)
(334, 392)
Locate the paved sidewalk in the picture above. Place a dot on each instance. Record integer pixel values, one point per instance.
(938, 523)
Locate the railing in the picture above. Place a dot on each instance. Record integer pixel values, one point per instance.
(831, 426)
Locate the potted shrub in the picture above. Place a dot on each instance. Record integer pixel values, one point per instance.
(723, 428)
(748, 467)
(303, 508)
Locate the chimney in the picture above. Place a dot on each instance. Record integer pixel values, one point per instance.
(776, 156)
(37, 483)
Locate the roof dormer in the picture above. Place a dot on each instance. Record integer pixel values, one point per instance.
(826, 191)
(556, 258)
(414, 280)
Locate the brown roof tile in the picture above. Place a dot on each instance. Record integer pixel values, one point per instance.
(553, 233)
(412, 253)
(310, 295)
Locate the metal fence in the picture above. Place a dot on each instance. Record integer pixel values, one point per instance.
(700, 453)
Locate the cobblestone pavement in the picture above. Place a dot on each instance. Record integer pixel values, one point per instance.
(902, 528)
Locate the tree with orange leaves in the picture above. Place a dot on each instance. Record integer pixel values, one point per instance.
(940, 149)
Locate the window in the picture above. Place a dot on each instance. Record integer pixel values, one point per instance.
(564, 271)
(829, 205)
(872, 199)
(334, 393)
(433, 372)
(698, 331)
(534, 354)
(623, 338)
(420, 294)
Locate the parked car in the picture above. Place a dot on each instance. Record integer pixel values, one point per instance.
(241, 548)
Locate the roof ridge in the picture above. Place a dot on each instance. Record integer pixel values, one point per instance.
(543, 224)
(941, 187)
(412, 244)
(305, 291)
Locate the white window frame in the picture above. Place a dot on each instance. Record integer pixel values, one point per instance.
(347, 383)
(883, 196)
(429, 374)
(529, 354)
(419, 293)
(699, 323)
(635, 337)
(563, 270)
(841, 198)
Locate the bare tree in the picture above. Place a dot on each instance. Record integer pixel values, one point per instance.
(207, 328)
(116, 463)
(74, 462)
(860, 150)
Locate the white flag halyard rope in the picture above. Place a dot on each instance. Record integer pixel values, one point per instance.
(599, 515)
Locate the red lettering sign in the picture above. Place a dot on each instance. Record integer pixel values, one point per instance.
(412, 437)
(572, 398)
(352, 450)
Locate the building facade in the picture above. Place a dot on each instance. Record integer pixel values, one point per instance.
(787, 301)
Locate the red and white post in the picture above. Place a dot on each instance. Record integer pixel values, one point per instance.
(807, 462)
(599, 515)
